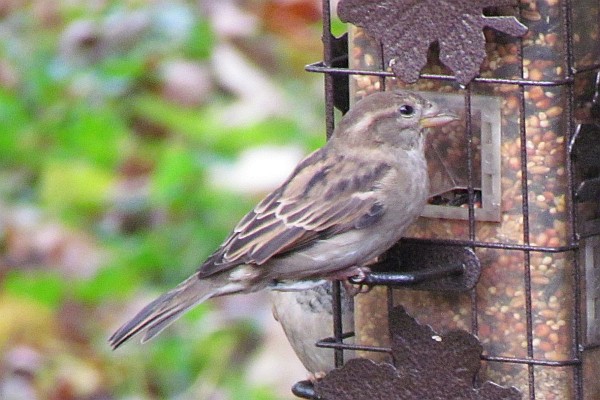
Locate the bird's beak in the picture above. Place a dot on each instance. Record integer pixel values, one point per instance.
(438, 119)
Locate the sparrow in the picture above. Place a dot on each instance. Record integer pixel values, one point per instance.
(343, 205)
(306, 317)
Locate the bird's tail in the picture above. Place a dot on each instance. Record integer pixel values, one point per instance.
(163, 311)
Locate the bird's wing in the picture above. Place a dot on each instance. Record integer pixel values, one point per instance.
(325, 195)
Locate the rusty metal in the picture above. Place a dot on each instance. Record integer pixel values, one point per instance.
(425, 266)
(408, 279)
(407, 29)
(424, 364)
(583, 179)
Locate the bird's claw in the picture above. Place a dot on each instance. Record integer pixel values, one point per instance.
(354, 278)
(317, 376)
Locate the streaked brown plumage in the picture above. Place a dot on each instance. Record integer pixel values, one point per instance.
(343, 205)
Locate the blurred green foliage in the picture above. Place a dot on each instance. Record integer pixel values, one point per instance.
(86, 116)
(45, 288)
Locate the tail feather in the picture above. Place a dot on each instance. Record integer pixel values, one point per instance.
(163, 311)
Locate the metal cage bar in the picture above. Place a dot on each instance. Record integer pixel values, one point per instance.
(527, 248)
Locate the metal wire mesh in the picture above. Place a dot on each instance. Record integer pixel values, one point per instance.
(527, 249)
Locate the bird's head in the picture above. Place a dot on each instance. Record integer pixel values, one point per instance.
(396, 118)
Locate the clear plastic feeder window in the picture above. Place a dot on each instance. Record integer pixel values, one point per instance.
(448, 161)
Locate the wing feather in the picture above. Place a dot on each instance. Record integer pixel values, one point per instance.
(325, 195)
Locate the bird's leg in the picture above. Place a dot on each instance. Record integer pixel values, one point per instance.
(357, 274)
(354, 289)
(355, 286)
(317, 376)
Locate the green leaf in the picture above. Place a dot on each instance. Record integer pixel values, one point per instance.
(15, 121)
(269, 131)
(74, 186)
(201, 41)
(206, 129)
(108, 283)
(338, 28)
(197, 124)
(93, 133)
(170, 366)
(127, 66)
(42, 286)
(178, 174)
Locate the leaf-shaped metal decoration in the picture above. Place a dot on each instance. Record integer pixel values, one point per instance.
(426, 366)
(407, 28)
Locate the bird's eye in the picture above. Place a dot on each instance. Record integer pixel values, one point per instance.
(406, 110)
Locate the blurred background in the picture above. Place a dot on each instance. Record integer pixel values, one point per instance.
(133, 136)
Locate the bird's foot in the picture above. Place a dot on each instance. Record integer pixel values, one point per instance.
(317, 376)
(353, 289)
(358, 274)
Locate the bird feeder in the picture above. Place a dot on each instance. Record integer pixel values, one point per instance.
(515, 191)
